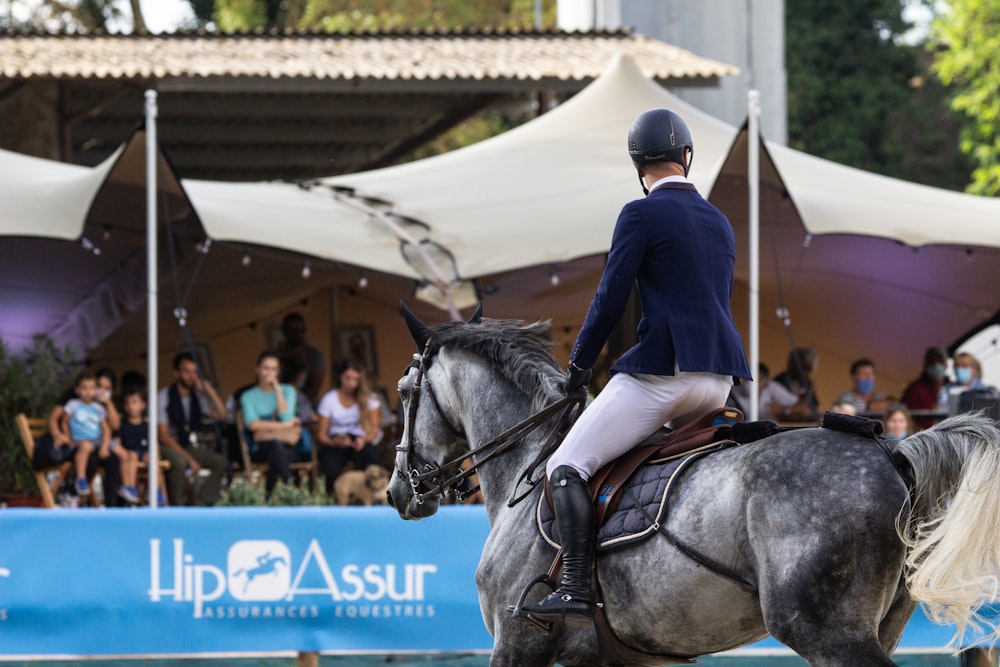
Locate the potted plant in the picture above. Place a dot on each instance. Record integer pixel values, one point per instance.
(30, 382)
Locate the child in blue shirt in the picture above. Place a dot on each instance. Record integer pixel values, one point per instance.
(86, 421)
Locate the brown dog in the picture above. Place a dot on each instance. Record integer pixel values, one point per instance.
(367, 487)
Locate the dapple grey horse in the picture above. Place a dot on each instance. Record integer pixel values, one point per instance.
(838, 547)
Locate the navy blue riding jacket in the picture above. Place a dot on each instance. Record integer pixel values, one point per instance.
(680, 250)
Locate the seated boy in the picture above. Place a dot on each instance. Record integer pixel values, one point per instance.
(85, 420)
(134, 432)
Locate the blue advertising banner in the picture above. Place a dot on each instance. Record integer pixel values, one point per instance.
(134, 582)
(254, 580)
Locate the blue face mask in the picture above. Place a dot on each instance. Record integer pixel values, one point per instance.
(865, 387)
(901, 436)
(935, 371)
(963, 374)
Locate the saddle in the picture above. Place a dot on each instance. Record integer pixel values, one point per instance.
(607, 483)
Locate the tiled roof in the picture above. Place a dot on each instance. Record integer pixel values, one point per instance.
(449, 56)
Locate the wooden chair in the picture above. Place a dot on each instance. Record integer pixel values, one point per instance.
(31, 428)
(142, 478)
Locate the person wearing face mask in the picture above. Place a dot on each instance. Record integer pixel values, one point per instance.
(925, 392)
(968, 382)
(898, 424)
(862, 395)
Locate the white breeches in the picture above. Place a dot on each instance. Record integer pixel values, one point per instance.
(630, 408)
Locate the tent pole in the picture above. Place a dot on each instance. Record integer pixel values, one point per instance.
(152, 342)
(753, 185)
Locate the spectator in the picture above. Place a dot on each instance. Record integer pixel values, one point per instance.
(271, 421)
(927, 392)
(134, 430)
(773, 400)
(106, 396)
(797, 378)
(85, 421)
(349, 418)
(898, 423)
(862, 395)
(57, 447)
(968, 384)
(968, 373)
(302, 365)
(184, 406)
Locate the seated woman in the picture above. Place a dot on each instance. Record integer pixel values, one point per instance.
(349, 419)
(270, 420)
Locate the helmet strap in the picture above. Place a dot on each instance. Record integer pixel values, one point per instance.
(642, 183)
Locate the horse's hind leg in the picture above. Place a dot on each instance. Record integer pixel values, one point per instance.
(849, 652)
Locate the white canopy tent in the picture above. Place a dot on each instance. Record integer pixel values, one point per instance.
(549, 191)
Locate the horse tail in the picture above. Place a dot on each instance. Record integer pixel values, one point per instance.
(953, 530)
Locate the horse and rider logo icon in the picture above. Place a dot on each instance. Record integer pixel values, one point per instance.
(259, 570)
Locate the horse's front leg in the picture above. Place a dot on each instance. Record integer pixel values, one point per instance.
(515, 644)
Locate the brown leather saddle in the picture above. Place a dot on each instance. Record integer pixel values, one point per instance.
(607, 483)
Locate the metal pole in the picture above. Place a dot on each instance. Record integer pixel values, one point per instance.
(152, 342)
(753, 185)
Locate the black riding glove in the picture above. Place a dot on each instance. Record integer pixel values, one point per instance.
(577, 379)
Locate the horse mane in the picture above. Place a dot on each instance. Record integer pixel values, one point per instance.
(520, 352)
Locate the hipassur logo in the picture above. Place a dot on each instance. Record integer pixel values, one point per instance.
(268, 580)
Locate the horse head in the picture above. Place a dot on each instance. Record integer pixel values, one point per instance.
(432, 434)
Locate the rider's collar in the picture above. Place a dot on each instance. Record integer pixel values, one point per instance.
(668, 179)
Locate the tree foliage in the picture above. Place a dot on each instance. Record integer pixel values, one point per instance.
(860, 95)
(967, 40)
(373, 15)
(85, 15)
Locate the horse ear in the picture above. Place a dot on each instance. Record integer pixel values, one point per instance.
(418, 330)
(477, 316)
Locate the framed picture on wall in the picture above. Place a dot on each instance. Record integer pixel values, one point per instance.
(357, 342)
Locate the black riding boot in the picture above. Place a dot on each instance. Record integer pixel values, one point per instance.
(573, 601)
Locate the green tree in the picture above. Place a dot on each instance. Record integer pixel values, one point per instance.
(845, 75)
(87, 15)
(373, 15)
(966, 42)
(859, 94)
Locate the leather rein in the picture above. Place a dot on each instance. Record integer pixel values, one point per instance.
(442, 479)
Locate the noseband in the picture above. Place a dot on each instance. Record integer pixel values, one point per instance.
(430, 480)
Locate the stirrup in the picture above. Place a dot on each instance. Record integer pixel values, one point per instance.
(517, 609)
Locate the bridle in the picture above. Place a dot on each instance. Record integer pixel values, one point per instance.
(430, 480)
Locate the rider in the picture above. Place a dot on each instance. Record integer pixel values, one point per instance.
(679, 250)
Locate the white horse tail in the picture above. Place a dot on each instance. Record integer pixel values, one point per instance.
(953, 531)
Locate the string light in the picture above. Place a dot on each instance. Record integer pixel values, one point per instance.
(89, 246)
(106, 234)
(306, 270)
(363, 280)
(245, 261)
(554, 276)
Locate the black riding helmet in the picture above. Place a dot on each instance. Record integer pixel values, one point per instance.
(659, 135)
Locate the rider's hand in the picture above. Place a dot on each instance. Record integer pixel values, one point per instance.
(577, 379)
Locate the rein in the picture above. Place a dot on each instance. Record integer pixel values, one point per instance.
(440, 480)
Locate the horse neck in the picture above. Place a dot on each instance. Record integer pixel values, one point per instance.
(488, 406)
